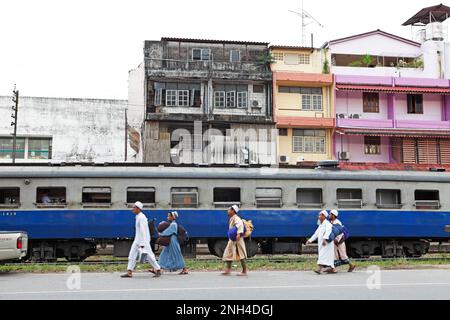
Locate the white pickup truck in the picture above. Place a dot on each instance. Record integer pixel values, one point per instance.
(13, 246)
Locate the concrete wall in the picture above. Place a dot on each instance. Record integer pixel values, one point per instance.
(377, 45)
(285, 148)
(355, 145)
(432, 108)
(352, 103)
(289, 104)
(136, 110)
(317, 58)
(82, 130)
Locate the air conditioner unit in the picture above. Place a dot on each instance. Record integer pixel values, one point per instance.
(344, 155)
(284, 159)
(255, 104)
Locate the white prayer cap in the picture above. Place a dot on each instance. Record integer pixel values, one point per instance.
(139, 205)
(174, 215)
(235, 208)
(325, 213)
(334, 213)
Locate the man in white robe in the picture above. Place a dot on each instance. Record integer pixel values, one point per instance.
(326, 249)
(141, 245)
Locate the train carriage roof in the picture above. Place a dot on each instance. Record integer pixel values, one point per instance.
(132, 172)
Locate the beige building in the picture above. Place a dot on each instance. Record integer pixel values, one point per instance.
(303, 104)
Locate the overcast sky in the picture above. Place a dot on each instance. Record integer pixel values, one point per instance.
(84, 48)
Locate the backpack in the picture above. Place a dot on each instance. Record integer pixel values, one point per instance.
(182, 235)
(346, 233)
(248, 228)
(153, 229)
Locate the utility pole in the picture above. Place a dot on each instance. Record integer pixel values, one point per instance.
(15, 108)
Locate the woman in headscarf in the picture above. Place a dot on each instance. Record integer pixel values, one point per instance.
(171, 258)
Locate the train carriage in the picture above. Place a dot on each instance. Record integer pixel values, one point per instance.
(69, 210)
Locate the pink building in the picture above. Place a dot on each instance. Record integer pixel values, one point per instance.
(392, 98)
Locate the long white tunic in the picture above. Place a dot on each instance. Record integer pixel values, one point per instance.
(142, 239)
(326, 253)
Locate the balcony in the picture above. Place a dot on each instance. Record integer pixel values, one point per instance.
(365, 123)
(422, 124)
(205, 69)
(381, 72)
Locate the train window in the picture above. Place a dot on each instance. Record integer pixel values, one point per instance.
(9, 197)
(145, 195)
(184, 197)
(389, 199)
(310, 198)
(226, 197)
(349, 198)
(269, 198)
(427, 199)
(96, 197)
(50, 197)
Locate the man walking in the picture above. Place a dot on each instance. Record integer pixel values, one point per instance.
(235, 250)
(141, 245)
(340, 250)
(326, 249)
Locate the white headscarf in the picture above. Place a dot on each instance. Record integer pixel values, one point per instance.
(174, 215)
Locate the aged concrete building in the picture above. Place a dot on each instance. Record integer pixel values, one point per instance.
(195, 95)
(64, 130)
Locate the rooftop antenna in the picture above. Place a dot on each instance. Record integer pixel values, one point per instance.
(307, 19)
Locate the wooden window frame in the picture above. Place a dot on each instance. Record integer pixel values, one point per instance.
(414, 103)
(371, 102)
(368, 145)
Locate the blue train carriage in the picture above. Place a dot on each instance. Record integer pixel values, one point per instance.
(69, 210)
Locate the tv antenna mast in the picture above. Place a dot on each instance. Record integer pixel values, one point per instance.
(307, 19)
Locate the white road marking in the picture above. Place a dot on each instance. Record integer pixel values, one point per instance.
(224, 288)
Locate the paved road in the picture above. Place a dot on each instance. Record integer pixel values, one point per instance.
(411, 284)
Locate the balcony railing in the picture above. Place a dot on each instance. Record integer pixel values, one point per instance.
(365, 123)
(396, 124)
(187, 65)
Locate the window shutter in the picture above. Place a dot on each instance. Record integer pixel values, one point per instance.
(427, 151)
(409, 151)
(444, 146)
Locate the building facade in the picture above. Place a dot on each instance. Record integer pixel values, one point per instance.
(303, 104)
(202, 101)
(64, 130)
(392, 100)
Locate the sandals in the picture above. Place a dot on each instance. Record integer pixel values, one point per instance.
(157, 274)
(126, 276)
(331, 271)
(184, 273)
